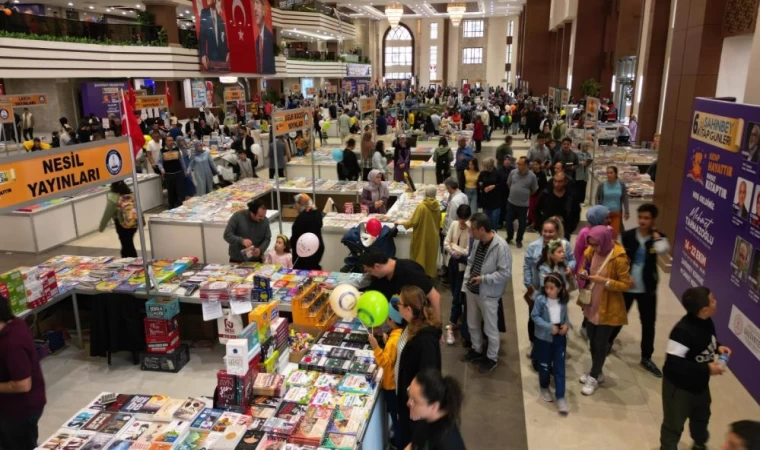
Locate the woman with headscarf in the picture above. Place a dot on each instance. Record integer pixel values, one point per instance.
(203, 168)
(426, 225)
(402, 154)
(375, 193)
(633, 127)
(309, 220)
(596, 215)
(185, 151)
(366, 148)
(608, 269)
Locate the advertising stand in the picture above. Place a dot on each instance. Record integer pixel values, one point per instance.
(717, 239)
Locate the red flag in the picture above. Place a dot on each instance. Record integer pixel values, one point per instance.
(168, 93)
(132, 98)
(129, 122)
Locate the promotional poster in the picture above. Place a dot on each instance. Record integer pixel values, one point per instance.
(102, 98)
(717, 242)
(234, 36)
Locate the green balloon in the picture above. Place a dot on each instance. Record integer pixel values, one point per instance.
(372, 308)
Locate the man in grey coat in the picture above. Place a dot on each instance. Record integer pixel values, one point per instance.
(248, 233)
(488, 271)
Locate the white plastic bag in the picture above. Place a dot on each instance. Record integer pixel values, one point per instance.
(229, 326)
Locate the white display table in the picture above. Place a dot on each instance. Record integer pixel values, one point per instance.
(56, 224)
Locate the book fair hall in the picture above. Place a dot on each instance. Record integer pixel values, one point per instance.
(379, 225)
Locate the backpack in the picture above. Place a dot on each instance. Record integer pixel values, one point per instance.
(126, 213)
(443, 164)
(557, 131)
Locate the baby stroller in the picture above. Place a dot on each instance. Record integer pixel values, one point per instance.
(359, 241)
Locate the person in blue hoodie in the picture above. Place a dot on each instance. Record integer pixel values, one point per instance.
(550, 316)
(462, 157)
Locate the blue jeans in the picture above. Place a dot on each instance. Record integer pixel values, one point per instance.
(458, 305)
(494, 216)
(521, 214)
(551, 356)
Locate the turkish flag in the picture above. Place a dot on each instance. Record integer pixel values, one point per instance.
(132, 98)
(240, 29)
(129, 120)
(168, 93)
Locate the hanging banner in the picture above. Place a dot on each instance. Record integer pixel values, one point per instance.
(291, 120)
(358, 70)
(311, 91)
(717, 240)
(26, 99)
(367, 105)
(295, 88)
(234, 36)
(150, 101)
(30, 178)
(234, 94)
(102, 98)
(6, 113)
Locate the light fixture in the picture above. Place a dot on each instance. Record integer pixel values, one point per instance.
(393, 13)
(91, 7)
(123, 13)
(456, 12)
(228, 80)
(138, 5)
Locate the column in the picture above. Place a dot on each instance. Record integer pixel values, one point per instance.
(589, 53)
(165, 15)
(693, 72)
(553, 63)
(752, 88)
(566, 31)
(651, 66)
(536, 45)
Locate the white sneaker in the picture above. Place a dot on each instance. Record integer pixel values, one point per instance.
(589, 387)
(546, 395)
(450, 335)
(600, 379)
(562, 406)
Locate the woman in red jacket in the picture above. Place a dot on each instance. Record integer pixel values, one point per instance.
(478, 133)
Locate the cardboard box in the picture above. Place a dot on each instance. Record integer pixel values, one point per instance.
(166, 362)
(160, 328)
(296, 357)
(163, 345)
(162, 308)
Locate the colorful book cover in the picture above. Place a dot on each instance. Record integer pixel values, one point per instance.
(271, 443)
(230, 438)
(166, 413)
(98, 442)
(116, 424)
(251, 440)
(121, 400)
(193, 441)
(358, 400)
(210, 441)
(99, 421)
(189, 409)
(299, 394)
(226, 420)
(356, 384)
(78, 441)
(120, 444)
(57, 440)
(173, 432)
(139, 445)
(135, 404)
(206, 419)
(155, 430)
(313, 426)
(80, 419)
(347, 420)
(292, 412)
(339, 441)
(154, 405)
(135, 430)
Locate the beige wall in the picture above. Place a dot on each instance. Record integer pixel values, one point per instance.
(62, 97)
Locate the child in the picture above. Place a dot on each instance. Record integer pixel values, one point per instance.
(386, 358)
(280, 254)
(552, 259)
(550, 316)
(688, 367)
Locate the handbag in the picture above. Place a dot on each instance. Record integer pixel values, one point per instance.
(584, 297)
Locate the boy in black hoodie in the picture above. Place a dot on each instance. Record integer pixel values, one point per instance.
(689, 364)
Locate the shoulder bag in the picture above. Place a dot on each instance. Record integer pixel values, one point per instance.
(584, 297)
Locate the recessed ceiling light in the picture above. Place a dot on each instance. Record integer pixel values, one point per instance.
(181, 15)
(187, 12)
(124, 13)
(91, 7)
(138, 6)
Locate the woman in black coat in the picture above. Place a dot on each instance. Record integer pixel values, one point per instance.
(418, 349)
(309, 220)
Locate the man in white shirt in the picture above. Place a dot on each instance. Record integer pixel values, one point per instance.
(154, 149)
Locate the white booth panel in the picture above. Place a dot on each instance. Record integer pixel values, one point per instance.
(17, 234)
(174, 240)
(54, 227)
(88, 213)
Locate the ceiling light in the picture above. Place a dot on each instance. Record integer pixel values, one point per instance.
(187, 12)
(124, 13)
(71, 4)
(138, 6)
(91, 7)
(456, 13)
(393, 13)
(181, 15)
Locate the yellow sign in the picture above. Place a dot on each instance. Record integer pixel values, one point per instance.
(25, 99)
(6, 112)
(151, 101)
(400, 96)
(234, 94)
(295, 87)
(720, 131)
(311, 91)
(366, 105)
(291, 120)
(38, 176)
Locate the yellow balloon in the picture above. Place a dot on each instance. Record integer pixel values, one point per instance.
(352, 121)
(562, 113)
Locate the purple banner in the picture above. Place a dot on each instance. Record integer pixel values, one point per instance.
(101, 97)
(717, 242)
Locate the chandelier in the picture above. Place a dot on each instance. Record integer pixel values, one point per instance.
(394, 13)
(456, 13)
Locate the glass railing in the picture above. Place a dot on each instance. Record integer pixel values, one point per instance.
(312, 6)
(43, 28)
(304, 55)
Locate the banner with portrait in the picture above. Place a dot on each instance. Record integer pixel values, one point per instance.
(717, 241)
(234, 36)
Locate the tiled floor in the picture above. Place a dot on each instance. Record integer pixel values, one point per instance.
(502, 409)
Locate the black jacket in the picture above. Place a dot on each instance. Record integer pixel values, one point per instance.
(650, 274)
(421, 352)
(349, 169)
(693, 345)
(566, 207)
(495, 198)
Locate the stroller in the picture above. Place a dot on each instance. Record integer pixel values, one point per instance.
(356, 239)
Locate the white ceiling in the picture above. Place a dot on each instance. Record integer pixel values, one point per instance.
(424, 9)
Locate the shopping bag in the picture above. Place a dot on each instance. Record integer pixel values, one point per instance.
(229, 326)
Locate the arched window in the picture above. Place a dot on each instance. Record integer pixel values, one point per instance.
(398, 53)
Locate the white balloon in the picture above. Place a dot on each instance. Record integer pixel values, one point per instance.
(344, 300)
(307, 245)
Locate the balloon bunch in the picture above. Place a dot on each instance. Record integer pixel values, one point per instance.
(7, 11)
(370, 307)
